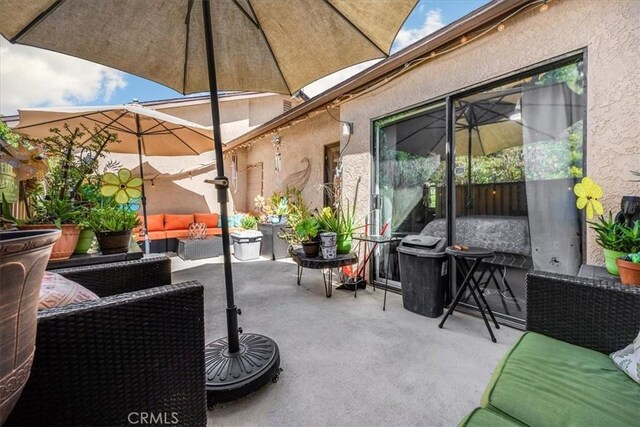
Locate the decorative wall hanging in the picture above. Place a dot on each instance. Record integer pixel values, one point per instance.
(277, 141)
(297, 180)
(234, 172)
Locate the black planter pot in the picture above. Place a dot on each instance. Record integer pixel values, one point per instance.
(311, 249)
(114, 242)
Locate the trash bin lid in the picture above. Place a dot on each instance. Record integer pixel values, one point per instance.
(246, 234)
(423, 246)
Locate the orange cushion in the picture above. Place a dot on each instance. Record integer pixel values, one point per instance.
(211, 219)
(177, 222)
(174, 234)
(155, 222)
(153, 235)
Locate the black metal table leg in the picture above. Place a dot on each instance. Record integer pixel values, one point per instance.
(327, 286)
(471, 283)
(386, 280)
(299, 274)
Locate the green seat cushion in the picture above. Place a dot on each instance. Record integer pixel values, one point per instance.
(481, 417)
(546, 382)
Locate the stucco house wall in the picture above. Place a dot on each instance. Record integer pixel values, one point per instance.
(239, 115)
(306, 139)
(611, 35)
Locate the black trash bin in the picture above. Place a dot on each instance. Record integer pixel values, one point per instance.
(423, 274)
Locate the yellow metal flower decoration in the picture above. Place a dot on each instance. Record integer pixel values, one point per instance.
(588, 193)
(122, 186)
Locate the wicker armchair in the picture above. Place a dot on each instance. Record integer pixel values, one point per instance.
(596, 314)
(121, 358)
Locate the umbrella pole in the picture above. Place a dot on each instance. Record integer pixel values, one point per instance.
(144, 195)
(226, 377)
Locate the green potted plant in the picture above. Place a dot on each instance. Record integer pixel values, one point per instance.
(55, 203)
(629, 266)
(617, 239)
(249, 222)
(113, 221)
(342, 222)
(307, 231)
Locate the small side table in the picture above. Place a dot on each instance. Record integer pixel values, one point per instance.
(475, 254)
(319, 263)
(378, 240)
(190, 249)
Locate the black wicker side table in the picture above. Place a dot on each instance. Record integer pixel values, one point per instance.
(189, 249)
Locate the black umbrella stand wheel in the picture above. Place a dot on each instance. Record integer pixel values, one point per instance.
(231, 376)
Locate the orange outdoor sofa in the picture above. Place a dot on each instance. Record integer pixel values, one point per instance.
(165, 229)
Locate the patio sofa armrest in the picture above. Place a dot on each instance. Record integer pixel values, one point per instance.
(99, 361)
(119, 277)
(596, 314)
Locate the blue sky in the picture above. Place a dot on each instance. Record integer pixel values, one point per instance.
(31, 77)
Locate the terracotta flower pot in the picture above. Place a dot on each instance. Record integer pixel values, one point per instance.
(629, 272)
(23, 258)
(64, 248)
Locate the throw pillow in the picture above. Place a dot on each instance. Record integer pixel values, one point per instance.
(57, 290)
(628, 359)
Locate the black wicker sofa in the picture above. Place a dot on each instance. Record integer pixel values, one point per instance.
(135, 354)
(559, 373)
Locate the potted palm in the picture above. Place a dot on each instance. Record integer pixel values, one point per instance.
(307, 231)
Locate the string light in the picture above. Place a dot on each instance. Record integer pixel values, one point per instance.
(544, 8)
(464, 39)
(501, 27)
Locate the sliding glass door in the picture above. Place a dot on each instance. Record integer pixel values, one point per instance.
(410, 177)
(516, 152)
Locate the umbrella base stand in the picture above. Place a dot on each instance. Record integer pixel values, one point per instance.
(230, 376)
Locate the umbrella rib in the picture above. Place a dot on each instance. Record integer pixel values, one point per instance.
(187, 22)
(246, 14)
(177, 137)
(264, 36)
(36, 21)
(125, 127)
(349, 22)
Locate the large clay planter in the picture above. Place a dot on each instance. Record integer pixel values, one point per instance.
(64, 248)
(23, 259)
(629, 272)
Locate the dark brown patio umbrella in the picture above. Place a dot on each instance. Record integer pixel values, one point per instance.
(262, 45)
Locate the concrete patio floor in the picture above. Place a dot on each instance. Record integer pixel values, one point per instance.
(346, 362)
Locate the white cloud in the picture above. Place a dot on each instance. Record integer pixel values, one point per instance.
(325, 83)
(31, 77)
(406, 36)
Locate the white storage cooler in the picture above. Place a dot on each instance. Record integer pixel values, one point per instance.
(246, 244)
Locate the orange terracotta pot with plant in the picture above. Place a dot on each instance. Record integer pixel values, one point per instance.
(629, 267)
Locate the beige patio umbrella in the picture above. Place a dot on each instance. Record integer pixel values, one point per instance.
(191, 46)
(140, 131)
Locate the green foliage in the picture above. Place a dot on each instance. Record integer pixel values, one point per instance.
(571, 74)
(73, 161)
(340, 220)
(307, 229)
(249, 222)
(615, 236)
(9, 136)
(111, 218)
(51, 210)
(634, 258)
